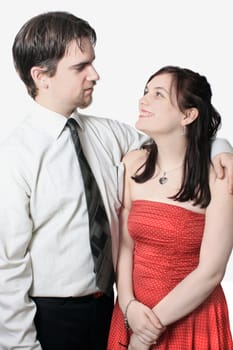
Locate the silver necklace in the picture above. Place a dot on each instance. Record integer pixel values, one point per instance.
(164, 179)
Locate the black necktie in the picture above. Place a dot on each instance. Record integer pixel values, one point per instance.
(100, 236)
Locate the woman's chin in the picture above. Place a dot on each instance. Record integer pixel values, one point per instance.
(139, 126)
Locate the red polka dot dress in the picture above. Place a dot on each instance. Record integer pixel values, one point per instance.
(167, 244)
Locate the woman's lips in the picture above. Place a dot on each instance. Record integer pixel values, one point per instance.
(145, 114)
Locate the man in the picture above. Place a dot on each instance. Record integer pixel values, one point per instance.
(49, 297)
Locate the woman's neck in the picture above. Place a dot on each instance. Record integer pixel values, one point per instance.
(171, 154)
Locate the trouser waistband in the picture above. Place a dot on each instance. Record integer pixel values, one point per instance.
(81, 299)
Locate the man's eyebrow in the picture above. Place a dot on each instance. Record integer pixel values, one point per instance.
(82, 64)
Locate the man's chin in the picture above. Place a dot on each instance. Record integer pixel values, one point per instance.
(85, 104)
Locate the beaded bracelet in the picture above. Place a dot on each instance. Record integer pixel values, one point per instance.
(127, 326)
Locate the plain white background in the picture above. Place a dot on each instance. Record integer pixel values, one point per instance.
(134, 39)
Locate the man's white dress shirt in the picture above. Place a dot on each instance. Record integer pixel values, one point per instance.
(44, 232)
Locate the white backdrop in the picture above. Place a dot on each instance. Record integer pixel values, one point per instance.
(134, 39)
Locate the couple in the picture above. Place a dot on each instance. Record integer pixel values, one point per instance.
(50, 297)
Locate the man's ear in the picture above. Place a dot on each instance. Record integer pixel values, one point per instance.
(190, 115)
(39, 77)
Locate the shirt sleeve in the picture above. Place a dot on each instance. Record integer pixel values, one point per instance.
(220, 145)
(17, 310)
(129, 138)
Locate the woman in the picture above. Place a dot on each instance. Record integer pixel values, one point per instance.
(177, 225)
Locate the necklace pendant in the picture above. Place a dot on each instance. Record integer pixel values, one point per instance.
(163, 179)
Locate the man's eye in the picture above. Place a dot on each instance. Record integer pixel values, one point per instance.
(80, 68)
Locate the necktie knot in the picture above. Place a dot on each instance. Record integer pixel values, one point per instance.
(73, 126)
(71, 123)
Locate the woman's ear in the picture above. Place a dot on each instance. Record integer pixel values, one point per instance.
(190, 115)
(39, 77)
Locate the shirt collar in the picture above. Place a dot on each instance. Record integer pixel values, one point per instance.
(78, 119)
(51, 122)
